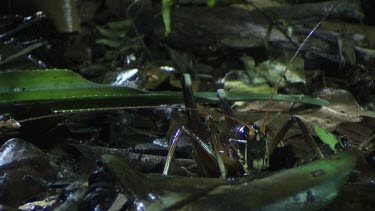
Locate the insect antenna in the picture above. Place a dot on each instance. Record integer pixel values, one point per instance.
(206, 111)
(263, 128)
(87, 110)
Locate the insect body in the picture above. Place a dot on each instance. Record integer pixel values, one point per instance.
(242, 149)
(219, 154)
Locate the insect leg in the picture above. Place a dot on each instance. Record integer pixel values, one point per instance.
(217, 147)
(225, 105)
(171, 151)
(195, 122)
(307, 136)
(197, 131)
(209, 169)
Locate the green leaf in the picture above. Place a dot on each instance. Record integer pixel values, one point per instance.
(166, 14)
(109, 43)
(292, 189)
(109, 33)
(326, 137)
(64, 90)
(210, 3)
(120, 25)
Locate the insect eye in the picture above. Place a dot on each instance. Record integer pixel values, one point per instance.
(239, 133)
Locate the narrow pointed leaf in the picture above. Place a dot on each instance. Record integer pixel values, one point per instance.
(66, 90)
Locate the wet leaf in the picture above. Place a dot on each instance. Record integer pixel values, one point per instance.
(343, 115)
(18, 159)
(343, 108)
(155, 76)
(343, 104)
(326, 137)
(309, 187)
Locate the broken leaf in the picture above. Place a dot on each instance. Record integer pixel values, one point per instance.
(271, 70)
(326, 137)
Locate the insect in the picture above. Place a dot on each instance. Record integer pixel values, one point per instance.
(243, 148)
